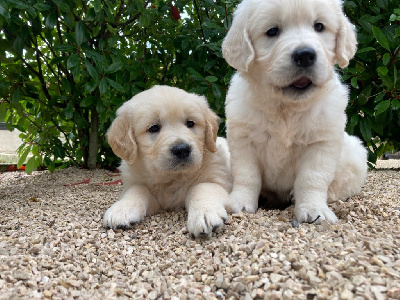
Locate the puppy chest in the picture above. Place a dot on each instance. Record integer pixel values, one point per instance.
(277, 163)
(170, 196)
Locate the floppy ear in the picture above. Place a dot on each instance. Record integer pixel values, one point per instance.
(237, 48)
(346, 42)
(122, 140)
(211, 120)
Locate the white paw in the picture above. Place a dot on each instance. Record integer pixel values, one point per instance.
(312, 212)
(242, 201)
(123, 214)
(202, 222)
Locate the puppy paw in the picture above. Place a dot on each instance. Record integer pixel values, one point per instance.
(241, 202)
(123, 214)
(311, 212)
(202, 222)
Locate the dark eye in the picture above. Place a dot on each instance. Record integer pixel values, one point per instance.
(154, 128)
(319, 27)
(273, 31)
(190, 124)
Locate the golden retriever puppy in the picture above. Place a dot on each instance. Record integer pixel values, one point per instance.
(286, 105)
(172, 158)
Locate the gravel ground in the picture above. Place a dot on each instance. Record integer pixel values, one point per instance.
(52, 245)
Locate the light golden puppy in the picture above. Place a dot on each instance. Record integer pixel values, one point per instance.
(172, 158)
(286, 106)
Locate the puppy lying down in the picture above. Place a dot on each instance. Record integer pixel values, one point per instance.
(172, 158)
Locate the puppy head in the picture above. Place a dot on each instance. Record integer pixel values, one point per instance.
(290, 46)
(166, 128)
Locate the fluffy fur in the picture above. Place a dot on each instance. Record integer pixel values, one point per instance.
(286, 106)
(172, 158)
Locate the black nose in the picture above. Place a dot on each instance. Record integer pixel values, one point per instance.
(181, 150)
(304, 57)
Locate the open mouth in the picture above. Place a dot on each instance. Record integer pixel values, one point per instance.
(302, 83)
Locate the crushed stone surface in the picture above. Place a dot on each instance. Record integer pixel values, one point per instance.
(53, 246)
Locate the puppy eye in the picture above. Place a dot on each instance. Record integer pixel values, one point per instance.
(273, 31)
(319, 27)
(190, 124)
(154, 128)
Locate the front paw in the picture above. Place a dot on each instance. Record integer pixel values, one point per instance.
(123, 214)
(312, 212)
(202, 222)
(241, 201)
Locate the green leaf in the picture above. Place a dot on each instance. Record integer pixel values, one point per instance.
(386, 58)
(72, 61)
(354, 82)
(195, 73)
(81, 122)
(86, 102)
(30, 165)
(382, 3)
(381, 37)
(64, 48)
(23, 157)
(16, 96)
(103, 86)
(395, 104)
(365, 130)
(69, 111)
(76, 71)
(92, 71)
(115, 85)
(364, 95)
(216, 91)
(90, 87)
(97, 5)
(366, 49)
(80, 35)
(387, 81)
(49, 164)
(382, 71)
(41, 6)
(4, 13)
(212, 78)
(3, 111)
(51, 20)
(114, 67)
(18, 45)
(20, 5)
(382, 107)
(61, 4)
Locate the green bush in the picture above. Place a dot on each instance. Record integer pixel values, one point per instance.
(67, 65)
(373, 111)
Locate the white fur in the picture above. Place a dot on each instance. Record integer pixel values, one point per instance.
(153, 179)
(284, 141)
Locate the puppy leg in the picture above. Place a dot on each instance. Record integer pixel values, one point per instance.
(352, 170)
(316, 171)
(205, 206)
(246, 177)
(129, 209)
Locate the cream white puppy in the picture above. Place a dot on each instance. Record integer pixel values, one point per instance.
(172, 158)
(286, 105)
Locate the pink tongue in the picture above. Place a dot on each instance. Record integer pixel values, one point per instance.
(301, 83)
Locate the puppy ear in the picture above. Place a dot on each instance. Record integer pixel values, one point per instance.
(237, 48)
(122, 140)
(346, 42)
(211, 120)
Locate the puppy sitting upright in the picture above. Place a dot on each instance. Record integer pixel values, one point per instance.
(172, 158)
(285, 107)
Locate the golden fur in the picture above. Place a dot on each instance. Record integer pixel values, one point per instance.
(155, 178)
